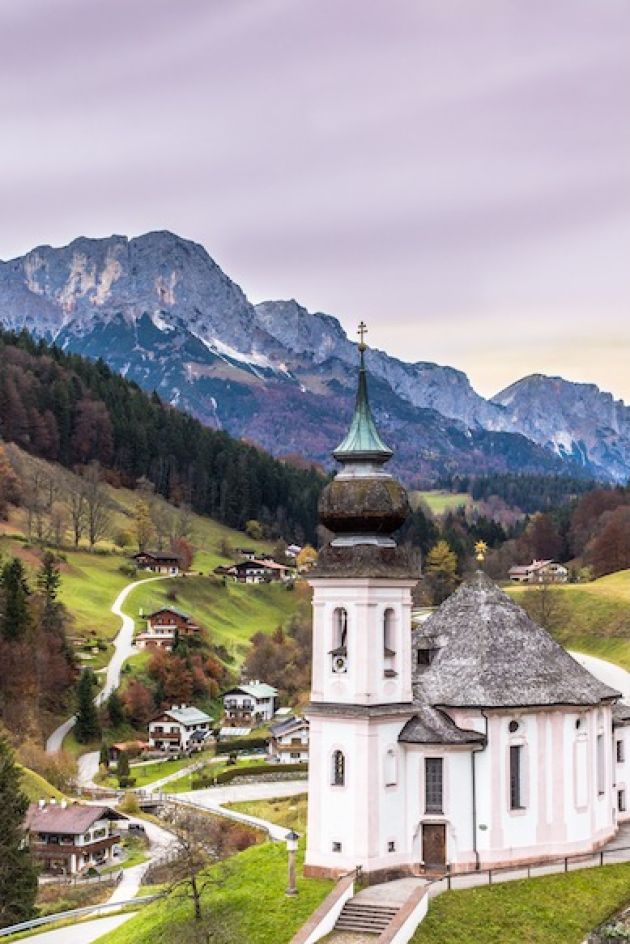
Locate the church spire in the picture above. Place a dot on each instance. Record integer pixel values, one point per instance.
(362, 441)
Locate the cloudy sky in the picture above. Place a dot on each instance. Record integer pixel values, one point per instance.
(456, 172)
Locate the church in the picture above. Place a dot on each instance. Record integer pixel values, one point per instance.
(471, 741)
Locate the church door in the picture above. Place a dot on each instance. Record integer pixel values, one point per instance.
(434, 844)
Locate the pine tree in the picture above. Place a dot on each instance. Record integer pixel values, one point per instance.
(48, 581)
(87, 726)
(18, 874)
(122, 767)
(115, 710)
(15, 618)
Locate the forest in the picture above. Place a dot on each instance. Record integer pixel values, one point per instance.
(70, 410)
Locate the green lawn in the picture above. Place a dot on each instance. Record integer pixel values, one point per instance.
(439, 501)
(554, 909)
(286, 811)
(144, 774)
(593, 617)
(231, 614)
(214, 767)
(252, 904)
(89, 585)
(36, 788)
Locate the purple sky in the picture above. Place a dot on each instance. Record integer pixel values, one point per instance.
(456, 172)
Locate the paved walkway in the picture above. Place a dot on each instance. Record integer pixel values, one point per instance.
(159, 841)
(123, 648)
(82, 933)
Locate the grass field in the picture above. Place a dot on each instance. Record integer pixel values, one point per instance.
(144, 774)
(554, 909)
(251, 904)
(286, 811)
(593, 617)
(36, 788)
(231, 614)
(439, 501)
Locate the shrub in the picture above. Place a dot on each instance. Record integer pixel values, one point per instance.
(124, 782)
(129, 804)
(226, 776)
(240, 745)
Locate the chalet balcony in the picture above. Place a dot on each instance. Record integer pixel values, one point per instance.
(56, 849)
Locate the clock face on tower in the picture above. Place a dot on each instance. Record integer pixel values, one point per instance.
(340, 664)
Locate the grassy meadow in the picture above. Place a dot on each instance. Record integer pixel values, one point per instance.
(439, 501)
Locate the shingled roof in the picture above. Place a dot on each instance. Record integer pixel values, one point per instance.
(432, 726)
(490, 654)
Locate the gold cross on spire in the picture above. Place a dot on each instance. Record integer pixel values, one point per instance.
(481, 549)
(362, 332)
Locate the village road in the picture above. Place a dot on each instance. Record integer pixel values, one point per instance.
(214, 799)
(606, 672)
(123, 648)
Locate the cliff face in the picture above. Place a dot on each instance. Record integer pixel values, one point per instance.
(160, 311)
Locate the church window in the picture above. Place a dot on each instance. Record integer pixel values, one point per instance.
(601, 771)
(391, 846)
(389, 643)
(426, 656)
(338, 769)
(433, 785)
(391, 773)
(336, 847)
(578, 724)
(339, 652)
(620, 752)
(513, 727)
(621, 801)
(516, 777)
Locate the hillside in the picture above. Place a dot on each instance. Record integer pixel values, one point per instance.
(69, 410)
(36, 788)
(160, 311)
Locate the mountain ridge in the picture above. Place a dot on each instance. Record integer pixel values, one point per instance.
(159, 310)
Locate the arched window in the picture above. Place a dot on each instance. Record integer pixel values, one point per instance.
(391, 768)
(338, 773)
(339, 651)
(340, 628)
(389, 643)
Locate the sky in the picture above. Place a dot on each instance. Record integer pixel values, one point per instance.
(455, 172)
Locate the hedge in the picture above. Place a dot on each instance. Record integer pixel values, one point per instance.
(233, 773)
(236, 745)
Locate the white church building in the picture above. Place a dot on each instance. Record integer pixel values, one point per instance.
(472, 741)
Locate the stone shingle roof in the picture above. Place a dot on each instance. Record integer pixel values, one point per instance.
(490, 654)
(621, 714)
(432, 726)
(72, 819)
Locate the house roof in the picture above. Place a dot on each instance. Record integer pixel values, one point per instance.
(268, 564)
(534, 566)
(73, 819)
(621, 714)
(287, 725)
(188, 715)
(432, 726)
(170, 609)
(158, 555)
(490, 654)
(254, 689)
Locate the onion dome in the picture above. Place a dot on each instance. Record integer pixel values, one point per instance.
(363, 504)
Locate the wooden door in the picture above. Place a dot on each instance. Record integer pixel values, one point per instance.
(434, 844)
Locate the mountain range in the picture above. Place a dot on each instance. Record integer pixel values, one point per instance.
(160, 311)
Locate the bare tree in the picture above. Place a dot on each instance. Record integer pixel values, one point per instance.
(75, 502)
(97, 504)
(545, 604)
(193, 862)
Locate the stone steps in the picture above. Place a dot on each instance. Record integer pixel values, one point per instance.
(365, 917)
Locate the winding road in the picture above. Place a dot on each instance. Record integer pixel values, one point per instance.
(123, 648)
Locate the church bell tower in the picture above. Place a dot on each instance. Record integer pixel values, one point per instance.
(361, 694)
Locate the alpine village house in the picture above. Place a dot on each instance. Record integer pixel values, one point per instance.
(164, 627)
(474, 740)
(181, 729)
(66, 838)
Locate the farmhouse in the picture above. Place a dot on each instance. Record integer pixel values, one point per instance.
(66, 838)
(164, 627)
(473, 740)
(539, 571)
(180, 729)
(254, 701)
(289, 741)
(260, 571)
(159, 562)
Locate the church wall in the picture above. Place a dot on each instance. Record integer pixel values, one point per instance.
(622, 773)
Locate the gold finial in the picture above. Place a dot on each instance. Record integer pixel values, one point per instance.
(481, 549)
(362, 332)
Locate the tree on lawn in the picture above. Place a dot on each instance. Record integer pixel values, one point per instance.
(143, 524)
(15, 619)
(122, 768)
(48, 581)
(115, 710)
(18, 874)
(441, 571)
(87, 726)
(10, 490)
